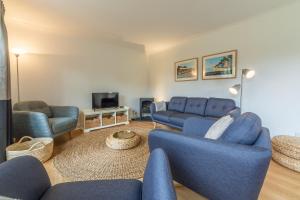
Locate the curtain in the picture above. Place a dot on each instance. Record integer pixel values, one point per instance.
(5, 97)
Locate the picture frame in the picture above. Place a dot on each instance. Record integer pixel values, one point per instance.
(220, 65)
(186, 70)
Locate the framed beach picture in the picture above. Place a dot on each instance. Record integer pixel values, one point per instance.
(219, 66)
(186, 70)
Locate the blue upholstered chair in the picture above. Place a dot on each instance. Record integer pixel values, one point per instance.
(37, 119)
(232, 167)
(25, 178)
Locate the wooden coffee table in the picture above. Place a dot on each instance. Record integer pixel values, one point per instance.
(123, 140)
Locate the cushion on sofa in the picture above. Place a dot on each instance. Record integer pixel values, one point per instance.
(61, 124)
(90, 190)
(196, 105)
(217, 107)
(179, 118)
(219, 127)
(162, 115)
(244, 130)
(177, 104)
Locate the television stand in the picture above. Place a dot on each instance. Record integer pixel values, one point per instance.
(91, 119)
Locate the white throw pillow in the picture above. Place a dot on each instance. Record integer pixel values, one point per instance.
(218, 128)
(160, 106)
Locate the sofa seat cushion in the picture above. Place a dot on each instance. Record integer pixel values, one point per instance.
(179, 118)
(61, 124)
(163, 116)
(244, 130)
(177, 104)
(196, 105)
(91, 190)
(217, 107)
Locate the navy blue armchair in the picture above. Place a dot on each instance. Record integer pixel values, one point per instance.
(25, 178)
(37, 119)
(232, 167)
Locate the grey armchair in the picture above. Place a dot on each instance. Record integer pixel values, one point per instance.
(37, 119)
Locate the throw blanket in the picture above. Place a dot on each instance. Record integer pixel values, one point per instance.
(160, 106)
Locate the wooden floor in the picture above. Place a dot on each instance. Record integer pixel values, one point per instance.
(280, 183)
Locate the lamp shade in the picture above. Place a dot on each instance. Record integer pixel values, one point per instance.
(235, 89)
(248, 73)
(18, 51)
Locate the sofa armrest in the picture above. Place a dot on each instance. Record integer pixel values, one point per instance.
(235, 112)
(23, 178)
(34, 124)
(65, 111)
(158, 181)
(196, 126)
(214, 169)
(152, 108)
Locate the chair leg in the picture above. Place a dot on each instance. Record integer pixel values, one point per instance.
(154, 124)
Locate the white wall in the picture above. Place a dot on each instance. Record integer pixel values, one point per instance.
(65, 70)
(268, 43)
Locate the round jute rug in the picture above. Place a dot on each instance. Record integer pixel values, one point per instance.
(88, 158)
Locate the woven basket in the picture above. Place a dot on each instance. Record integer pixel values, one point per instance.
(286, 161)
(108, 120)
(287, 145)
(41, 148)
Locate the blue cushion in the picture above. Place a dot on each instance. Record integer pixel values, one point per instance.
(244, 130)
(177, 104)
(179, 118)
(196, 106)
(217, 107)
(61, 124)
(162, 116)
(91, 190)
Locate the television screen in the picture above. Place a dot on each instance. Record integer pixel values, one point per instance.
(105, 100)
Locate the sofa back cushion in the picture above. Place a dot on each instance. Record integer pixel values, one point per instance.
(177, 104)
(196, 105)
(33, 106)
(217, 107)
(244, 130)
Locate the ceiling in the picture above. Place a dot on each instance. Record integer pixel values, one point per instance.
(157, 24)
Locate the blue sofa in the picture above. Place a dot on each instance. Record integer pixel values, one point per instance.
(37, 119)
(181, 108)
(232, 167)
(25, 178)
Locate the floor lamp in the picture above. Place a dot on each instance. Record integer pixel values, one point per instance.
(17, 52)
(246, 73)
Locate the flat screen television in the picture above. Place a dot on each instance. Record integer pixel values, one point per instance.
(105, 100)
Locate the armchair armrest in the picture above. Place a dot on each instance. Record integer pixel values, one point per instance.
(34, 124)
(196, 127)
(65, 111)
(23, 178)
(212, 168)
(158, 181)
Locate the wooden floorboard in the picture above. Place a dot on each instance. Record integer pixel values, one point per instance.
(280, 183)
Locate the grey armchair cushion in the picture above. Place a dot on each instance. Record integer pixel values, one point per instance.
(61, 124)
(92, 190)
(244, 130)
(33, 106)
